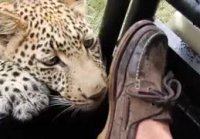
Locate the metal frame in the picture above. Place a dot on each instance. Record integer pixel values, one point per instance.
(89, 125)
(190, 8)
(111, 25)
(114, 17)
(183, 61)
(116, 11)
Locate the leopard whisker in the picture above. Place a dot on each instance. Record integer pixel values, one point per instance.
(56, 98)
(70, 108)
(54, 95)
(56, 105)
(60, 102)
(75, 112)
(2, 118)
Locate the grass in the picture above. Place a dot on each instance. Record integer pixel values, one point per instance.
(165, 11)
(96, 10)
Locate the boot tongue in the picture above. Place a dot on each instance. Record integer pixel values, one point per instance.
(153, 65)
(149, 74)
(150, 61)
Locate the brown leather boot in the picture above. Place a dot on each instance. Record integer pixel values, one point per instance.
(138, 89)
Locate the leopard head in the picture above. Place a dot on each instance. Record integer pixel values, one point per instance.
(52, 40)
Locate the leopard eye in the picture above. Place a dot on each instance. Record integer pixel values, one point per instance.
(51, 62)
(89, 43)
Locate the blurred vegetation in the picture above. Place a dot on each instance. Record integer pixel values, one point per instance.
(165, 11)
(96, 9)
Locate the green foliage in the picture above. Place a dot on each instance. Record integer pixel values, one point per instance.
(3, 0)
(96, 10)
(165, 11)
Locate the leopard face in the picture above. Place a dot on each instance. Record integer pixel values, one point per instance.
(52, 40)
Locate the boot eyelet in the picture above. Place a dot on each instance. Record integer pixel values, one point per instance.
(149, 89)
(137, 86)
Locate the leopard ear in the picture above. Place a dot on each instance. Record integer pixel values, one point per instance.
(10, 23)
(12, 27)
(80, 6)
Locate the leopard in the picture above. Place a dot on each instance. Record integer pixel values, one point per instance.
(48, 46)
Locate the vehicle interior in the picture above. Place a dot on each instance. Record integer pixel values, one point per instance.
(184, 60)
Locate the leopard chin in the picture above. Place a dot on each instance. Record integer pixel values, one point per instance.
(88, 105)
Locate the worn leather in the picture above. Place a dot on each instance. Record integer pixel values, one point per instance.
(138, 90)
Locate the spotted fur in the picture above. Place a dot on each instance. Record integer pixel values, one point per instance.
(48, 45)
